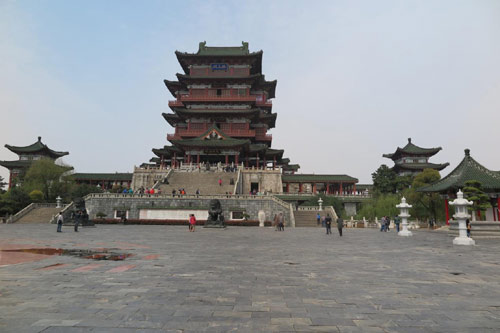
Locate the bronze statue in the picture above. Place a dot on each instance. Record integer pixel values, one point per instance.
(215, 218)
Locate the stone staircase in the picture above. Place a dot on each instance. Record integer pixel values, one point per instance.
(206, 182)
(39, 215)
(306, 218)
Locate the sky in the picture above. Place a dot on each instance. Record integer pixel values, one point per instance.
(355, 78)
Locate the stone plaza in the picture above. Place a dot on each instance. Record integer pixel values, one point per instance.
(246, 279)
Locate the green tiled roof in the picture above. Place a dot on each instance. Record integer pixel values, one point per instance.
(221, 52)
(37, 147)
(103, 176)
(166, 150)
(291, 167)
(16, 164)
(411, 149)
(420, 166)
(318, 178)
(224, 50)
(468, 169)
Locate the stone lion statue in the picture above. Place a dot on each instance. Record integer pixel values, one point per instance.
(215, 218)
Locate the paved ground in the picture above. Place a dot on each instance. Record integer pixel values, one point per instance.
(247, 280)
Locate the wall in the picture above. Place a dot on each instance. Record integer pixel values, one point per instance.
(146, 178)
(268, 180)
(107, 203)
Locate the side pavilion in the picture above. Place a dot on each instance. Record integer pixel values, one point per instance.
(468, 169)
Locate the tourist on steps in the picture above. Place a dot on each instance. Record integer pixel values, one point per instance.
(318, 219)
(220, 181)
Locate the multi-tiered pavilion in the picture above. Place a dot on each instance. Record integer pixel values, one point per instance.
(222, 111)
(28, 155)
(412, 159)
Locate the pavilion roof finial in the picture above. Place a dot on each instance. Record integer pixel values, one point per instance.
(467, 152)
(39, 139)
(409, 140)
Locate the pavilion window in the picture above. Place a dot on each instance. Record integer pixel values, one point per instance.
(219, 92)
(242, 92)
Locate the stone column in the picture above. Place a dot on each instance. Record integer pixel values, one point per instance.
(461, 215)
(404, 207)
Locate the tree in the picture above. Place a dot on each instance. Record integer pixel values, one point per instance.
(2, 185)
(425, 204)
(384, 180)
(46, 176)
(473, 192)
(36, 196)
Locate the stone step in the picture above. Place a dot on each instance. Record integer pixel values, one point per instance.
(39, 215)
(205, 182)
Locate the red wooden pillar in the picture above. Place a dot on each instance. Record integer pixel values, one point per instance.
(341, 190)
(287, 187)
(174, 161)
(498, 209)
(246, 161)
(227, 159)
(300, 187)
(314, 188)
(198, 158)
(265, 162)
(447, 211)
(354, 186)
(236, 159)
(258, 159)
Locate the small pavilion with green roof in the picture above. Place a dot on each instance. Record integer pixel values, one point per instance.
(412, 159)
(468, 169)
(27, 155)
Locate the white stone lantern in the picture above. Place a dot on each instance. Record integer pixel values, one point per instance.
(462, 215)
(320, 203)
(58, 202)
(404, 207)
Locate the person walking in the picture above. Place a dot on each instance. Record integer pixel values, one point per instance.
(387, 223)
(328, 223)
(468, 226)
(192, 222)
(397, 221)
(78, 216)
(340, 225)
(318, 219)
(60, 221)
(281, 222)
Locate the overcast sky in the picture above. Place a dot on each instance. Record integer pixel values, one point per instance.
(355, 78)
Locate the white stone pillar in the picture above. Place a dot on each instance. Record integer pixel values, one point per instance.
(461, 215)
(320, 203)
(58, 202)
(404, 207)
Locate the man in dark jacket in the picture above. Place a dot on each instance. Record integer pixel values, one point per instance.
(340, 225)
(328, 223)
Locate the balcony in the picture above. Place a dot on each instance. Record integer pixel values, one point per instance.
(175, 103)
(260, 102)
(184, 132)
(214, 98)
(264, 137)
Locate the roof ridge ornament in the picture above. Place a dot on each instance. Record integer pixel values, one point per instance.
(409, 140)
(467, 152)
